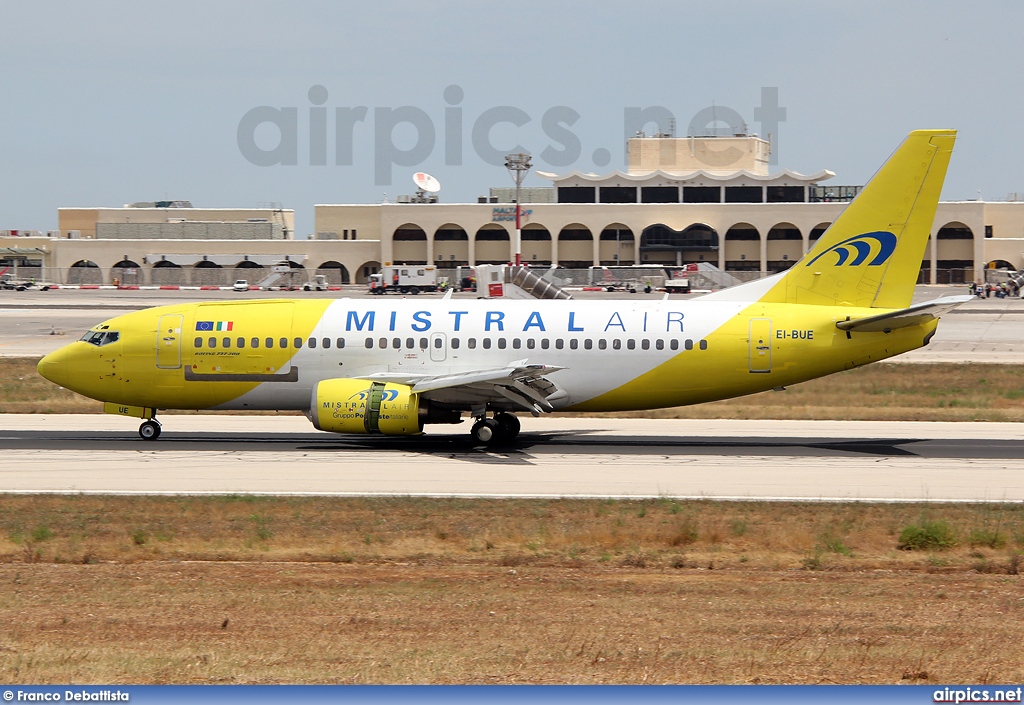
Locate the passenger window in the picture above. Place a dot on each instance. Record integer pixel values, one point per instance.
(284, 342)
(212, 343)
(198, 342)
(631, 344)
(544, 343)
(616, 344)
(240, 343)
(517, 343)
(226, 342)
(688, 345)
(487, 343)
(369, 343)
(602, 344)
(455, 343)
(383, 343)
(423, 343)
(410, 343)
(558, 343)
(298, 343)
(339, 343)
(674, 344)
(396, 343)
(269, 342)
(703, 345)
(437, 343)
(574, 344)
(471, 343)
(501, 343)
(645, 344)
(531, 343)
(327, 344)
(588, 344)
(254, 343)
(659, 344)
(312, 343)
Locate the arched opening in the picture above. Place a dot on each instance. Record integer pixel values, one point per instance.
(126, 273)
(207, 273)
(617, 246)
(334, 272)
(536, 245)
(250, 271)
(409, 244)
(167, 273)
(954, 254)
(451, 246)
(1000, 264)
(85, 271)
(364, 271)
(817, 231)
(660, 244)
(785, 246)
(575, 246)
(742, 248)
(493, 245)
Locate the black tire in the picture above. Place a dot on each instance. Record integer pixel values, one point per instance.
(414, 290)
(485, 431)
(508, 427)
(149, 430)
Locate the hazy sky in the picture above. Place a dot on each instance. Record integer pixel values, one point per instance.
(105, 103)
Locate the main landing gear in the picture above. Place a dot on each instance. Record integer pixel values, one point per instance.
(150, 429)
(503, 428)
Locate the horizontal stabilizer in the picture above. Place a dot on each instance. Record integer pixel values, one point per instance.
(918, 313)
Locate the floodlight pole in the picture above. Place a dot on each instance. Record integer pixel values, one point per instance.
(518, 164)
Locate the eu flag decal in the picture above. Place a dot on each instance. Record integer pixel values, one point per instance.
(215, 325)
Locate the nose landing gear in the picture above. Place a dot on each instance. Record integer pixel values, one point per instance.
(150, 430)
(503, 428)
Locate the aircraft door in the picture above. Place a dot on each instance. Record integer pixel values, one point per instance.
(438, 347)
(760, 351)
(168, 341)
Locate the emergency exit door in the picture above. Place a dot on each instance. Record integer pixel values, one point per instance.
(760, 351)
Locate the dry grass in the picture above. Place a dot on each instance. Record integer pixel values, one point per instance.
(884, 391)
(410, 590)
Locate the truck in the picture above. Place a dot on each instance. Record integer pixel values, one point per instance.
(677, 286)
(404, 279)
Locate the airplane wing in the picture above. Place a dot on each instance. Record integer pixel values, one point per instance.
(523, 385)
(891, 320)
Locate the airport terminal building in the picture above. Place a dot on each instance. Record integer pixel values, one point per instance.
(680, 200)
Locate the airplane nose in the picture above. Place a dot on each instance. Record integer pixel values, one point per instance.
(54, 367)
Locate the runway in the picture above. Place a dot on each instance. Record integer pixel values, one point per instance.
(555, 457)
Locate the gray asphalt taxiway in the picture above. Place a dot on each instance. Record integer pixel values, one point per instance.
(554, 457)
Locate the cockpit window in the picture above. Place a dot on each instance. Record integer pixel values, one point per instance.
(100, 337)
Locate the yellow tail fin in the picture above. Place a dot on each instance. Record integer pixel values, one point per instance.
(872, 253)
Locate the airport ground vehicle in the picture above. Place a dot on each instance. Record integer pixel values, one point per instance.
(404, 280)
(391, 367)
(677, 286)
(241, 285)
(319, 283)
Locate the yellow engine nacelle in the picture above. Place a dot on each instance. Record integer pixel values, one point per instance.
(361, 406)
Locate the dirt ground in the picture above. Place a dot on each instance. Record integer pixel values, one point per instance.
(413, 590)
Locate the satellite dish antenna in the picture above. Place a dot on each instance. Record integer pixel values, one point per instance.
(426, 182)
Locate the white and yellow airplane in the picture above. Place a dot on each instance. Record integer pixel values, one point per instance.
(376, 366)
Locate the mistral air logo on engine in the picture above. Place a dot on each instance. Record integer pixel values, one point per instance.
(385, 395)
(854, 251)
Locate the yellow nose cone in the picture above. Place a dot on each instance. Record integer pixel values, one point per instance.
(54, 367)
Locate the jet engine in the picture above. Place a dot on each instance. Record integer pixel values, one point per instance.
(362, 406)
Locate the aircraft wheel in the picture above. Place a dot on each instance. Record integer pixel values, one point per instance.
(149, 430)
(485, 431)
(508, 427)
